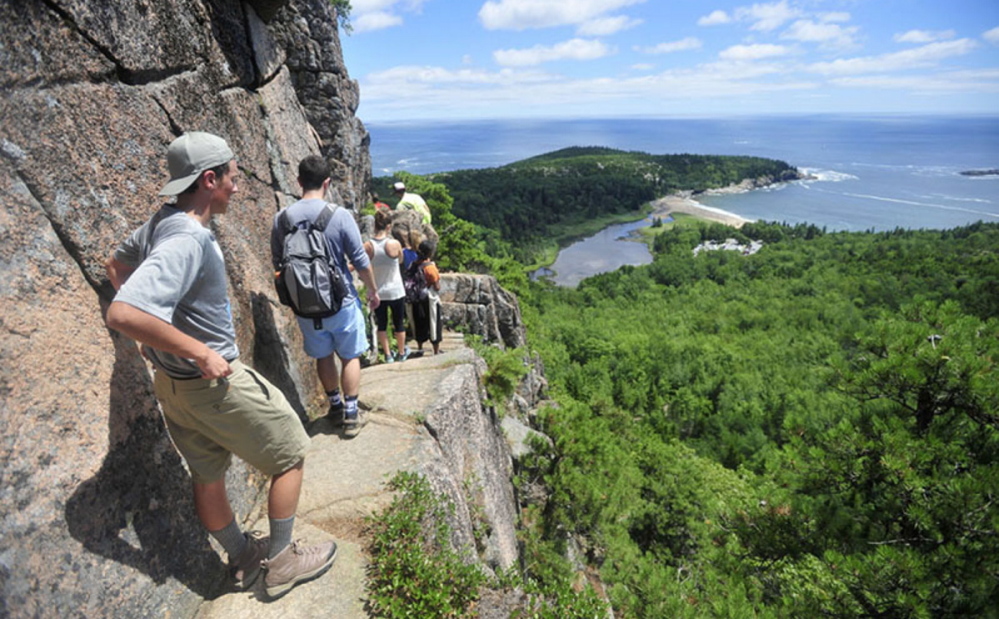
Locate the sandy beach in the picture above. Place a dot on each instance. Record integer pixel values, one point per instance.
(683, 203)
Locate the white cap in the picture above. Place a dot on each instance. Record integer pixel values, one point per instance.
(399, 186)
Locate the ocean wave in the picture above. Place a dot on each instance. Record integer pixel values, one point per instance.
(941, 196)
(828, 176)
(932, 171)
(774, 188)
(912, 169)
(985, 178)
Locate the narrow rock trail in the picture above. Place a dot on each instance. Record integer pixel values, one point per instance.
(345, 482)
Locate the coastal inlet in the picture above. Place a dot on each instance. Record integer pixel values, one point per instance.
(615, 246)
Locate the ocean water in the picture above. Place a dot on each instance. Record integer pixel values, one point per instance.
(870, 172)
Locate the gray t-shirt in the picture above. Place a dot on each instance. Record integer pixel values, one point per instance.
(179, 278)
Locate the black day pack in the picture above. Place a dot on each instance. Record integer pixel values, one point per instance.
(415, 283)
(308, 279)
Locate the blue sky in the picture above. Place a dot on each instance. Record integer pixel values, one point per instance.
(475, 59)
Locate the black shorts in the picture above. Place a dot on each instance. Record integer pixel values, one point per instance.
(398, 315)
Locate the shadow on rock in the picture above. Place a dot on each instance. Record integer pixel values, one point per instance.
(270, 354)
(138, 509)
(325, 426)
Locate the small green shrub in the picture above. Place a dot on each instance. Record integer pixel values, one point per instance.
(414, 572)
(505, 369)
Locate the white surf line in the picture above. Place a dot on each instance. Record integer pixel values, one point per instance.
(957, 199)
(914, 203)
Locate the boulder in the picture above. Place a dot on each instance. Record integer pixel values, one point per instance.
(478, 305)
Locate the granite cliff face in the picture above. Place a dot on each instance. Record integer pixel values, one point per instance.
(96, 511)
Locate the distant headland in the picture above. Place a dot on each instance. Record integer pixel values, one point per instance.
(992, 172)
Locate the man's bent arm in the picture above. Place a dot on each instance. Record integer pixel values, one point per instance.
(155, 333)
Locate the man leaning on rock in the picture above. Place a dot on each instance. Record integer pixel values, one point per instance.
(173, 298)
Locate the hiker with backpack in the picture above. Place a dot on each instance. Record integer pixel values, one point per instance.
(422, 283)
(322, 293)
(173, 298)
(386, 257)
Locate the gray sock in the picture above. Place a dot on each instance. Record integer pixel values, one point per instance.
(232, 539)
(280, 534)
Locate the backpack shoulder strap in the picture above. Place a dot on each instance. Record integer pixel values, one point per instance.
(325, 216)
(284, 221)
(412, 268)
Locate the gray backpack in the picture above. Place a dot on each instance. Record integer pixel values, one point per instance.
(308, 278)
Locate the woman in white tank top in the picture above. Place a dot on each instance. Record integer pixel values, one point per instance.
(386, 256)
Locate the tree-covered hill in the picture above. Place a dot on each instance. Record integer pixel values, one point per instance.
(539, 197)
(545, 199)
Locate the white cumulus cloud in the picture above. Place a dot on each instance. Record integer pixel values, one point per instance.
(753, 52)
(371, 6)
(575, 49)
(606, 26)
(834, 17)
(378, 20)
(923, 36)
(826, 34)
(714, 18)
(525, 14)
(369, 15)
(767, 17)
(927, 55)
(992, 36)
(672, 46)
(428, 76)
(955, 81)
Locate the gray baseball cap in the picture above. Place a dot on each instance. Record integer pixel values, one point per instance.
(190, 155)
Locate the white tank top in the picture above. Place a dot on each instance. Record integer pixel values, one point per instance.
(388, 277)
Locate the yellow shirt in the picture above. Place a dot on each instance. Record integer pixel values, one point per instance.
(414, 202)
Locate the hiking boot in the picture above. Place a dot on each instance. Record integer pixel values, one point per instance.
(296, 564)
(352, 423)
(404, 355)
(246, 568)
(335, 415)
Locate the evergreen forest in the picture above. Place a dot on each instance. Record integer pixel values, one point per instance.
(811, 430)
(808, 431)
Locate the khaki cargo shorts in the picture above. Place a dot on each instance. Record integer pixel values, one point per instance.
(242, 414)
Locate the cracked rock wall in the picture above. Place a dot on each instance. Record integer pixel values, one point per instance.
(95, 514)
